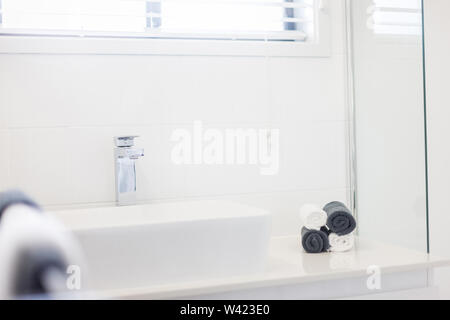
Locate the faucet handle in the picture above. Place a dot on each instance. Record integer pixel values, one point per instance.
(124, 141)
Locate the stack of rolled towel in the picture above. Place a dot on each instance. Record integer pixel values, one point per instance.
(328, 229)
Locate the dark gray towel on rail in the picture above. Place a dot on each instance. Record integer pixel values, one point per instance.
(340, 219)
(314, 241)
(8, 198)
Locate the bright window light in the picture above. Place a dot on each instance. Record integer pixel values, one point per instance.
(221, 17)
(99, 15)
(280, 19)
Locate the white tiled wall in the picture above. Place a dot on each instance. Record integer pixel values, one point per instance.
(58, 114)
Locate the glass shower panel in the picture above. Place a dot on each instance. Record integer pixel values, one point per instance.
(390, 142)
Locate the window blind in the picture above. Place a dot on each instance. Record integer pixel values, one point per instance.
(396, 17)
(291, 20)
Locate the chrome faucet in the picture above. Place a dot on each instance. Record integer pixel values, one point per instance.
(125, 156)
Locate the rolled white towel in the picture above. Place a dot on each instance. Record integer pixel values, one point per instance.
(341, 243)
(312, 217)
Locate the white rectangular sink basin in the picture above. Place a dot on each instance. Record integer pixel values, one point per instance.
(145, 245)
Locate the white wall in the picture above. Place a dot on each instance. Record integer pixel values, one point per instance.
(58, 114)
(389, 134)
(437, 44)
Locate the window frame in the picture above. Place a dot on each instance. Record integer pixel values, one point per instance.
(319, 46)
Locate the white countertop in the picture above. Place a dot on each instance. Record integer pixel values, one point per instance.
(289, 264)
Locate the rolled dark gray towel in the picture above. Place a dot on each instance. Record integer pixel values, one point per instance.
(8, 198)
(314, 241)
(325, 230)
(340, 219)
